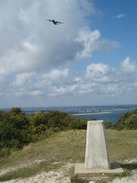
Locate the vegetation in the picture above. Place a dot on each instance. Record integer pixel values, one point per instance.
(18, 129)
(65, 147)
(75, 179)
(78, 123)
(127, 121)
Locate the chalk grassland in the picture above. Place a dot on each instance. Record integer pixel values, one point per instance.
(66, 148)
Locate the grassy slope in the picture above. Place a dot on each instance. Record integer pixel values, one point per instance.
(65, 147)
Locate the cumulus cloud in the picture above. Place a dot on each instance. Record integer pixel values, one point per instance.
(97, 78)
(48, 81)
(38, 58)
(128, 66)
(33, 43)
(62, 90)
(86, 88)
(98, 72)
(89, 39)
(23, 78)
(92, 41)
(30, 43)
(55, 75)
(36, 93)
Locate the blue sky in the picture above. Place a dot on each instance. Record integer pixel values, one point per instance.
(90, 59)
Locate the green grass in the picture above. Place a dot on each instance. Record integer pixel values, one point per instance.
(68, 146)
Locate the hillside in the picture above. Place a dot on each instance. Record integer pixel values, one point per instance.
(52, 160)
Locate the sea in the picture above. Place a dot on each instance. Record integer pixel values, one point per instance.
(100, 112)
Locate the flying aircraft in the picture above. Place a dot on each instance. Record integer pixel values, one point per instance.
(55, 22)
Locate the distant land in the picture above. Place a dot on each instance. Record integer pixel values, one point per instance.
(101, 112)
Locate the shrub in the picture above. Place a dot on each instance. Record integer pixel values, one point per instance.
(58, 120)
(131, 122)
(78, 123)
(108, 124)
(127, 121)
(38, 119)
(16, 111)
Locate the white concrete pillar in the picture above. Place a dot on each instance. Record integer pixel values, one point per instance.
(96, 155)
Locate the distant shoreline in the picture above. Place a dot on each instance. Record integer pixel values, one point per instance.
(90, 113)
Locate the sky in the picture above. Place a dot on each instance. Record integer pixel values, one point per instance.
(90, 59)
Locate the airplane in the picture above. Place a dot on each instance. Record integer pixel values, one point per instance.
(55, 22)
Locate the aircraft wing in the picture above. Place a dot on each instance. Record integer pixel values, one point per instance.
(59, 22)
(50, 20)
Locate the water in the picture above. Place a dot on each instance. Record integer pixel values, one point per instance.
(106, 113)
(106, 116)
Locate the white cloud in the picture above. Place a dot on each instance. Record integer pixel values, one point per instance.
(77, 80)
(38, 58)
(108, 45)
(23, 78)
(119, 16)
(54, 76)
(98, 72)
(36, 93)
(86, 88)
(92, 41)
(62, 90)
(128, 66)
(89, 39)
(99, 78)
(18, 61)
(32, 43)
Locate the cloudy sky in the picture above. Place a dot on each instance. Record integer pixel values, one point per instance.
(90, 59)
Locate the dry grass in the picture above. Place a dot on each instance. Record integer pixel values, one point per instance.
(122, 144)
(64, 147)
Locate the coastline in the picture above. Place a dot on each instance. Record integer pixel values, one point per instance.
(90, 113)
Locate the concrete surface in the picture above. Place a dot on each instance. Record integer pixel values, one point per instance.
(96, 155)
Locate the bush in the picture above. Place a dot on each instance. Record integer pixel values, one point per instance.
(15, 111)
(131, 122)
(13, 133)
(38, 119)
(18, 129)
(78, 123)
(57, 120)
(108, 124)
(127, 121)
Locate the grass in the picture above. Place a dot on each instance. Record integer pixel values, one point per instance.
(68, 146)
(122, 144)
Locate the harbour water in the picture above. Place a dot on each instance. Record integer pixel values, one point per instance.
(100, 112)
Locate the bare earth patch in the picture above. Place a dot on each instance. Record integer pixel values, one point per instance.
(58, 176)
(49, 177)
(62, 175)
(47, 161)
